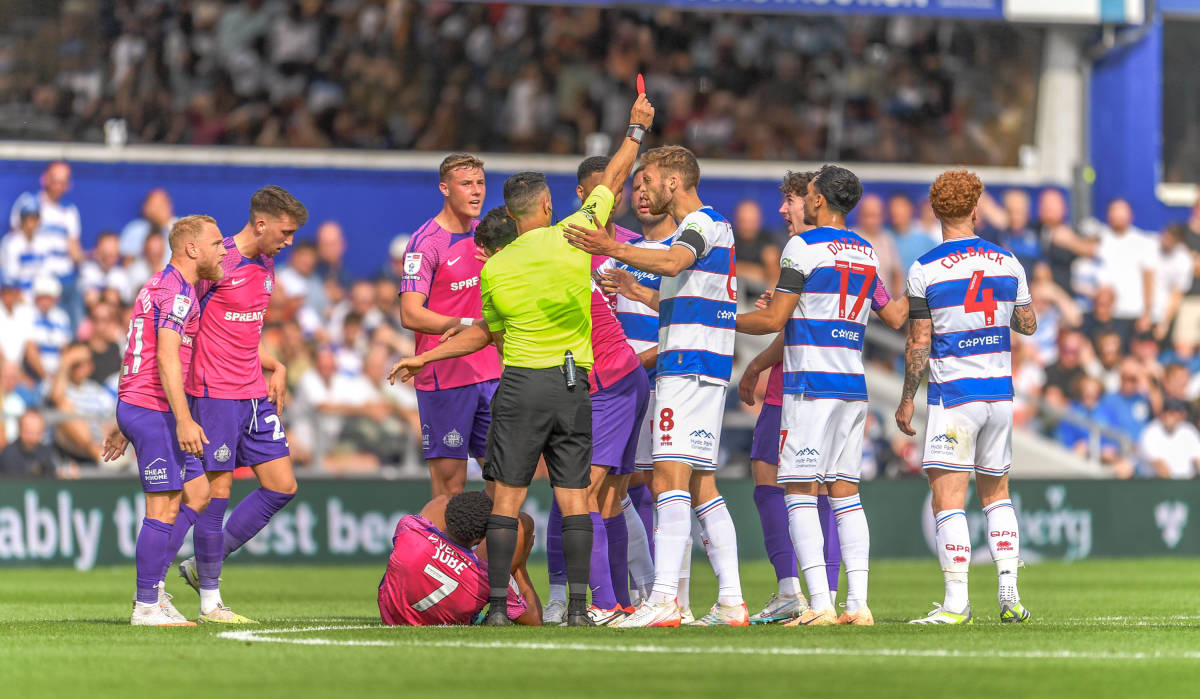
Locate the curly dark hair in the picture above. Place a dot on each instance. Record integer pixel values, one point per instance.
(495, 230)
(796, 183)
(467, 516)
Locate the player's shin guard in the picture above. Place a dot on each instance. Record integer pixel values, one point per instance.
(577, 550)
(954, 553)
(183, 522)
(501, 545)
(670, 537)
(555, 562)
(618, 557)
(855, 540)
(1005, 545)
(644, 504)
(151, 550)
(805, 526)
(641, 564)
(599, 570)
(251, 515)
(209, 538)
(772, 514)
(833, 547)
(720, 542)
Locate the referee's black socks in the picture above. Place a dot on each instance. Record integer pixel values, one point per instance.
(501, 546)
(577, 549)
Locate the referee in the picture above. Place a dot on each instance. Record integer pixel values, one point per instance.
(537, 306)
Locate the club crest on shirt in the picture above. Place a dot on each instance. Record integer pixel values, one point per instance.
(222, 453)
(453, 439)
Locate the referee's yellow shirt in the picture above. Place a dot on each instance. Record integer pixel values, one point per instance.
(538, 290)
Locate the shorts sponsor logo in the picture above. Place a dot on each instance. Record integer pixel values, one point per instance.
(808, 456)
(950, 443)
(705, 434)
(453, 439)
(701, 440)
(665, 440)
(946, 438)
(412, 265)
(156, 475)
(223, 453)
(425, 436)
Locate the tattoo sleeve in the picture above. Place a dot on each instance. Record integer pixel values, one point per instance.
(916, 355)
(1024, 320)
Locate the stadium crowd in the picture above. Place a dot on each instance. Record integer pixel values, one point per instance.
(434, 76)
(1113, 371)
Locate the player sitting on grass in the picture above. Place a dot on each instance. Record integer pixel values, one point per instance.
(433, 576)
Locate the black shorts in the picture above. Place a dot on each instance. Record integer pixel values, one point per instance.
(533, 414)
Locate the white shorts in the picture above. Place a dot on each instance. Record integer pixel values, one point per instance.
(686, 420)
(821, 439)
(643, 460)
(972, 436)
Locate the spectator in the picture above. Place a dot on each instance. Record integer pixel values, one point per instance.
(89, 406)
(51, 324)
(1178, 385)
(1129, 404)
(1172, 279)
(1066, 373)
(911, 240)
(870, 227)
(156, 220)
(58, 218)
(25, 251)
(104, 272)
(1008, 226)
(331, 248)
(1170, 446)
(1100, 321)
(29, 456)
(1127, 258)
(1086, 414)
(300, 277)
(13, 401)
(757, 255)
(1144, 348)
(326, 398)
(1061, 243)
(104, 335)
(17, 328)
(152, 261)
(361, 301)
(390, 434)
(1055, 309)
(1108, 354)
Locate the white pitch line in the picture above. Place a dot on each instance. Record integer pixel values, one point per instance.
(268, 636)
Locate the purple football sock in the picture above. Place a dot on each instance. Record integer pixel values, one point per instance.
(183, 522)
(618, 556)
(643, 501)
(772, 513)
(555, 560)
(151, 549)
(833, 547)
(251, 515)
(209, 538)
(600, 574)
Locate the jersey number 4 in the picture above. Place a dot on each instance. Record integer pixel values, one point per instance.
(868, 273)
(978, 300)
(448, 585)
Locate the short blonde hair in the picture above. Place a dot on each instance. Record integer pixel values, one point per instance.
(454, 161)
(954, 194)
(678, 160)
(186, 229)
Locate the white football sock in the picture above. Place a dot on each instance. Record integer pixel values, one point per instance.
(804, 524)
(789, 587)
(683, 593)
(720, 542)
(641, 564)
(670, 538)
(209, 600)
(855, 539)
(1005, 545)
(558, 592)
(954, 553)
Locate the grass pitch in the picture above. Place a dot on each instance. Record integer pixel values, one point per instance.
(1101, 628)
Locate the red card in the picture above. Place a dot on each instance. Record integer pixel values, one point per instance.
(641, 84)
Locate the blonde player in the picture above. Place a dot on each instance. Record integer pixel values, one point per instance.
(964, 296)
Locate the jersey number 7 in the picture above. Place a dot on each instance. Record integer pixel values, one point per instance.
(868, 273)
(448, 585)
(978, 300)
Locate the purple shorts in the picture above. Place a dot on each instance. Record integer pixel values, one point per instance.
(617, 414)
(162, 464)
(455, 421)
(241, 432)
(766, 435)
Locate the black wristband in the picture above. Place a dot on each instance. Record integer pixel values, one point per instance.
(636, 133)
